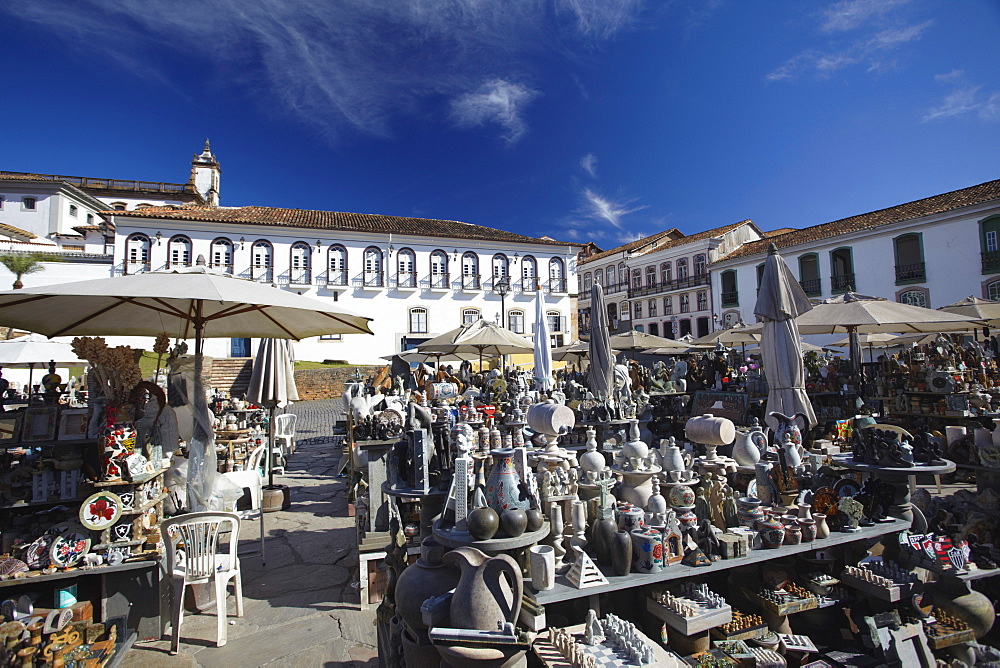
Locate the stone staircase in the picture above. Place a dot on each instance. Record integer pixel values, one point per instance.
(231, 374)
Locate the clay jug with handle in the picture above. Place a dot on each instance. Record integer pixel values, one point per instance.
(484, 597)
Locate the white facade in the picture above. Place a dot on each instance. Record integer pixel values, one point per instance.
(930, 253)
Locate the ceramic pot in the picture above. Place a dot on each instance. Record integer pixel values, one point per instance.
(822, 529)
(744, 451)
(535, 519)
(630, 518)
(483, 599)
(805, 512)
(542, 565)
(681, 496)
(808, 528)
(671, 457)
(551, 418)
(483, 523)
(513, 522)
(793, 533)
(687, 518)
(969, 605)
(647, 551)
(621, 553)
(710, 430)
(634, 450)
(772, 532)
(591, 462)
(601, 536)
(118, 439)
(503, 486)
(429, 576)
(748, 511)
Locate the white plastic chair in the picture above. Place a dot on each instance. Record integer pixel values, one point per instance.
(251, 479)
(199, 561)
(284, 435)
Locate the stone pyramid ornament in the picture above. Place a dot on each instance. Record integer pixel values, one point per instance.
(584, 572)
(696, 557)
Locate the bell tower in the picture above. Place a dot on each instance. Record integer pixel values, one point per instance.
(205, 172)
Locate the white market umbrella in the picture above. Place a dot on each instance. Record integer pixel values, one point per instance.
(976, 307)
(34, 349)
(600, 374)
(733, 335)
(416, 356)
(543, 346)
(634, 340)
(869, 315)
(780, 301)
(272, 384)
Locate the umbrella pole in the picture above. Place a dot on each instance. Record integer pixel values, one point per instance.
(270, 447)
(31, 375)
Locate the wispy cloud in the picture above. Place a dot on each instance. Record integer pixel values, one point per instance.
(872, 48)
(588, 163)
(964, 99)
(345, 66)
(606, 210)
(497, 101)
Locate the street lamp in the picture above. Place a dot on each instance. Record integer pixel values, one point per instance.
(501, 286)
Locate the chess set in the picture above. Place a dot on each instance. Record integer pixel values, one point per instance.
(692, 609)
(742, 627)
(885, 580)
(945, 630)
(788, 600)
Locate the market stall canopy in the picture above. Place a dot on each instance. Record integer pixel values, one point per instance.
(415, 356)
(975, 307)
(37, 350)
(733, 335)
(877, 340)
(870, 315)
(679, 348)
(635, 340)
(804, 346)
(482, 337)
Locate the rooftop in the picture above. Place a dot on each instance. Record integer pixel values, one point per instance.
(335, 220)
(669, 243)
(96, 186)
(15, 232)
(949, 201)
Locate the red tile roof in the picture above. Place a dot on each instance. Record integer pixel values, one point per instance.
(670, 243)
(335, 220)
(10, 230)
(949, 201)
(184, 192)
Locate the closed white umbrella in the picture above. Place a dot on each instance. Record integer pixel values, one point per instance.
(780, 301)
(543, 346)
(601, 370)
(272, 383)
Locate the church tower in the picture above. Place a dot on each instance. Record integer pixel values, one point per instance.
(205, 173)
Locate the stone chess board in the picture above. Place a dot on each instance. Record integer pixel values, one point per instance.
(608, 655)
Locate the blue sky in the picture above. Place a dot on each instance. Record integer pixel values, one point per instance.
(580, 119)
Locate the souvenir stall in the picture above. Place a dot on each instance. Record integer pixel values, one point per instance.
(628, 549)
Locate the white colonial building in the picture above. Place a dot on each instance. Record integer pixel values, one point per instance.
(930, 252)
(660, 284)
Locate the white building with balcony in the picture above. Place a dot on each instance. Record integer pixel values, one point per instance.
(930, 253)
(660, 284)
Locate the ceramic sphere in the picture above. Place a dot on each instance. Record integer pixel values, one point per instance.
(682, 496)
(513, 522)
(535, 519)
(483, 523)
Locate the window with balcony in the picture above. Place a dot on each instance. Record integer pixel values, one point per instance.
(909, 253)
(685, 303)
(406, 268)
(529, 274)
(700, 264)
(682, 269)
(989, 231)
(471, 315)
(137, 249)
(730, 293)
(637, 309)
(515, 321)
(336, 265)
(610, 277)
(300, 267)
(179, 252)
(501, 266)
(651, 308)
(842, 270)
(668, 305)
(650, 277)
(703, 301)
(622, 275)
(470, 271)
(636, 279)
(557, 275)
(439, 270)
(665, 273)
(418, 320)
(262, 264)
(588, 282)
(222, 255)
(809, 274)
(373, 267)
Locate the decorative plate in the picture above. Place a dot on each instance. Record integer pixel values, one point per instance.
(846, 487)
(10, 565)
(825, 501)
(37, 554)
(68, 549)
(100, 510)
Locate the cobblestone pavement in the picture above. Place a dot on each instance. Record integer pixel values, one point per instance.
(302, 608)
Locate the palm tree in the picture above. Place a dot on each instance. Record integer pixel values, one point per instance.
(20, 264)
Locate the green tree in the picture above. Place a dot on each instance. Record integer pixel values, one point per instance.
(20, 264)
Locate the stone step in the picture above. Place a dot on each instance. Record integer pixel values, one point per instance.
(231, 374)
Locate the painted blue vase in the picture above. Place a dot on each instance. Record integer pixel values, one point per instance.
(503, 486)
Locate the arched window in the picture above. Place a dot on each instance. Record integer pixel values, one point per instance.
(470, 271)
(557, 275)
(610, 282)
(914, 298)
(137, 249)
(809, 277)
(515, 321)
(117, 206)
(262, 261)
(636, 279)
(501, 266)
(439, 269)
(703, 301)
(588, 282)
(760, 275)
(668, 305)
(651, 308)
(622, 276)
(682, 269)
(989, 244)
(842, 270)
(699, 264)
(418, 320)
(406, 268)
(179, 252)
(336, 265)
(373, 267)
(665, 273)
(993, 291)
(685, 303)
(555, 321)
(909, 254)
(222, 255)
(471, 315)
(730, 296)
(300, 266)
(637, 310)
(650, 277)
(624, 311)
(529, 274)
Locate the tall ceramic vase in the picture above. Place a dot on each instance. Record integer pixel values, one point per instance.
(118, 438)
(621, 553)
(503, 486)
(542, 563)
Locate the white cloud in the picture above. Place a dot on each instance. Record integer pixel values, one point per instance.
(497, 101)
(964, 99)
(588, 163)
(851, 14)
(349, 65)
(606, 210)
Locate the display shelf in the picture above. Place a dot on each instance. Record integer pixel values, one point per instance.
(564, 591)
(146, 506)
(138, 480)
(891, 594)
(78, 572)
(118, 543)
(31, 504)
